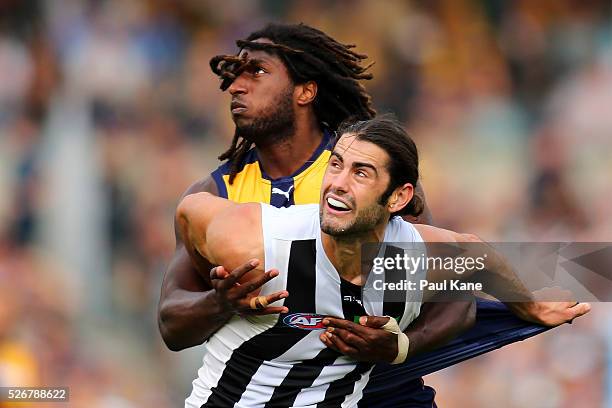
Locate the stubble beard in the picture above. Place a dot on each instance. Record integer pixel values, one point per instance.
(275, 126)
(365, 221)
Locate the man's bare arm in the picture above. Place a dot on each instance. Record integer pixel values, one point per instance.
(196, 300)
(188, 312)
(206, 223)
(500, 280)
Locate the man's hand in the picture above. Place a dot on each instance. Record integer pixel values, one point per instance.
(235, 297)
(556, 313)
(550, 313)
(364, 342)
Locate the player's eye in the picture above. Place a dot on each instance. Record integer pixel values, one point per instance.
(361, 173)
(259, 71)
(335, 164)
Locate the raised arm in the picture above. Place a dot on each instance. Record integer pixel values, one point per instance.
(500, 280)
(206, 223)
(190, 308)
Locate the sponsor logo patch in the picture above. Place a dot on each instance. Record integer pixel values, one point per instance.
(305, 321)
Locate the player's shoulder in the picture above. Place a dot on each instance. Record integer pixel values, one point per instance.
(225, 168)
(204, 185)
(400, 230)
(294, 213)
(435, 234)
(297, 222)
(221, 175)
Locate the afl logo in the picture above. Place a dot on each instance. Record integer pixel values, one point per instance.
(305, 321)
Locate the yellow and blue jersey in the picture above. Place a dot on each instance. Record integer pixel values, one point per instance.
(251, 184)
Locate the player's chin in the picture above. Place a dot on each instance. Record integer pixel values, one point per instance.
(334, 218)
(241, 120)
(332, 226)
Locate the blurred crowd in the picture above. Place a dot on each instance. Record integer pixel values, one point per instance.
(109, 111)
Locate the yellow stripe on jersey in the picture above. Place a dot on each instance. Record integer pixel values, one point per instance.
(308, 183)
(250, 185)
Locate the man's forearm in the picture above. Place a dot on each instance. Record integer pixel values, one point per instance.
(499, 279)
(188, 311)
(438, 323)
(188, 318)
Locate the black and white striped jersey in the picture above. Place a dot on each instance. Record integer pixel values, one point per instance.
(279, 360)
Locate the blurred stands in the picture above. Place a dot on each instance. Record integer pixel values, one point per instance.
(109, 111)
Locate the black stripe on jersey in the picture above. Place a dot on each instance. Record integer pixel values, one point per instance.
(272, 343)
(394, 301)
(301, 376)
(352, 304)
(339, 389)
(217, 177)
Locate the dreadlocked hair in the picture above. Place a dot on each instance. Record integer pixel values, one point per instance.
(309, 55)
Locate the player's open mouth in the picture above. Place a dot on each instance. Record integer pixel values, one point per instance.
(337, 205)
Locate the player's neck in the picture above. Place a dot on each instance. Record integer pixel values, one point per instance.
(345, 252)
(286, 157)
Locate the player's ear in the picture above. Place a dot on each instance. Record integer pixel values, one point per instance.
(400, 197)
(306, 92)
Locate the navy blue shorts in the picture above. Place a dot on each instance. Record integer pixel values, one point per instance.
(400, 386)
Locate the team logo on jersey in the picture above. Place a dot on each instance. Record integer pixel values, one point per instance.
(305, 321)
(276, 190)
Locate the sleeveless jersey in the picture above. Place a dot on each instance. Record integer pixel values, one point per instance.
(279, 360)
(253, 185)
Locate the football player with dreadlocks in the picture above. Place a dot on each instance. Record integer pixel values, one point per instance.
(291, 86)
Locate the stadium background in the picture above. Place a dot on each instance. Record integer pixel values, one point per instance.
(109, 111)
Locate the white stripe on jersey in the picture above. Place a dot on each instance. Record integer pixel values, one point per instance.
(352, 399)
(312, 395)
(259, 392)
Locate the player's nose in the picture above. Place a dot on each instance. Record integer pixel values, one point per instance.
(238, 86)
(339, 181)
